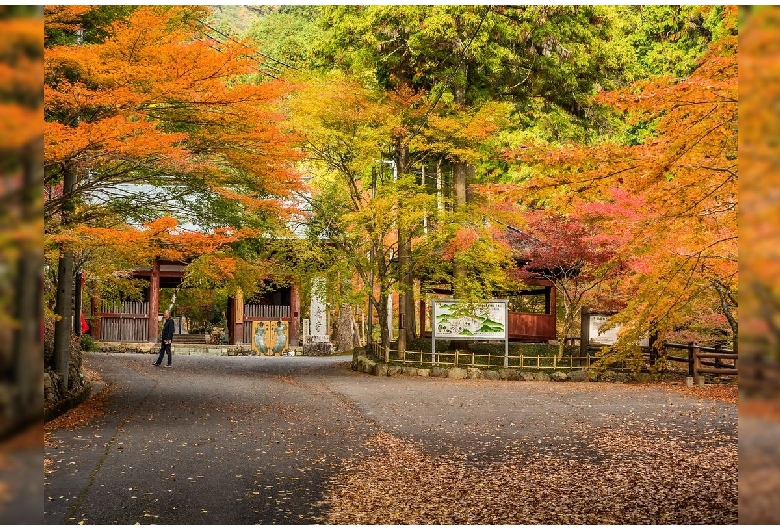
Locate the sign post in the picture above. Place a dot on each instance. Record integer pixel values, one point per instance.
(458, 319)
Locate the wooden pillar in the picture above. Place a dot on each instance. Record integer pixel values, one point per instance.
(95, 311)
(690, 359)
(295, 316)
(584, 334)
(236, 318)
(698, 379)
(154, 301)
(78, 302)
(422, 319)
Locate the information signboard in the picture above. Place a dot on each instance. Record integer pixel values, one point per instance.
(607, 337)
(453, 319)
(461, 320)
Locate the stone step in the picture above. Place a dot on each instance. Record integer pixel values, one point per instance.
(192, 338)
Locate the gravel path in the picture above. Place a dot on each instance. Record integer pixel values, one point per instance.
(242, 440)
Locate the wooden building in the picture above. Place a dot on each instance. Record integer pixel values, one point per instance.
(129, 321)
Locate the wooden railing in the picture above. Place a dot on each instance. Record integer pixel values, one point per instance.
(481, 360)
(700, 359)
(265, 312)
(696, 363)
(125, 308)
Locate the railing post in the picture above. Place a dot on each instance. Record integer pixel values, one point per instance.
(584, 331)
(698, 379)
(690, 359)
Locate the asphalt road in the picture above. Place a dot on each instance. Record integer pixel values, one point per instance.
(247, 440)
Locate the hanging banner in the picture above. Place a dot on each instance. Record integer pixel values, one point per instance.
(455, 319)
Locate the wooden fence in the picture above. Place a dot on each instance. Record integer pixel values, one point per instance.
(126, 328)
(697, 365)
(482, 360)
(700, 359)
(531, 326)
(124, 322)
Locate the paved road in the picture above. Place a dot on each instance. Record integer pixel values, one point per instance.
(245, 440)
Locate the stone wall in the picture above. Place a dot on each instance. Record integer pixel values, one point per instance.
(53, 388)
(363, 364)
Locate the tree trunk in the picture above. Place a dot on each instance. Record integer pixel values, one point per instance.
(406, 312)
(384, 330)
(459, 173)
(63, 326)
(28, 363)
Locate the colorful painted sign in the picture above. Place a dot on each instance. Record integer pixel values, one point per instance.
(270, 337)
(454, 319)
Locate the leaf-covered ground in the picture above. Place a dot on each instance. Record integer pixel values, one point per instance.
(759, 461)
(534, 453)
(306, 440)
(623, 478)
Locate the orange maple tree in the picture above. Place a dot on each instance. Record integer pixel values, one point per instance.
(160, 97)
(670, 202)
(158, 102)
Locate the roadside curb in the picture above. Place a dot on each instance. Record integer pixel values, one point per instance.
(71, 402)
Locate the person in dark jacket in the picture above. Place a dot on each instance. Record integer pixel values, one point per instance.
(167, 339)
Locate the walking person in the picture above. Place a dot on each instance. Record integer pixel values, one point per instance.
(167, 339)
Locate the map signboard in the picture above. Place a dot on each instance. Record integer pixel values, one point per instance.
(456, 319)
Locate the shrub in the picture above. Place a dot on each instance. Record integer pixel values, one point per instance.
(88, 343)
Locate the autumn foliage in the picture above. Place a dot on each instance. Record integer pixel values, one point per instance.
(160, 96)
(160, 102)
(667, 204)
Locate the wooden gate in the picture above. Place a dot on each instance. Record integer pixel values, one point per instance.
(125, 322)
